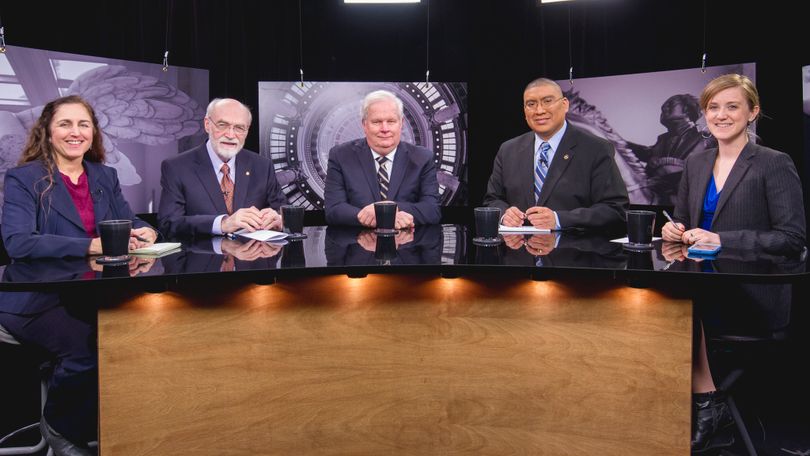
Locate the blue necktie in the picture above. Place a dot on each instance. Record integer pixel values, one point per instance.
(541, 169)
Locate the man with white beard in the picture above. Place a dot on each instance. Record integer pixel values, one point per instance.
(213, 189)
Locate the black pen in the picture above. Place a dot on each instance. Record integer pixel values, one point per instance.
(140, 238)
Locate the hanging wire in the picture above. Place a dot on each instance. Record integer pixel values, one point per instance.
(570, 52)
(169, 8)
(2, 37)
(301, 43)
(703, 59)
(427, 44)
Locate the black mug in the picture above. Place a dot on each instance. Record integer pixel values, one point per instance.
(487, 220)
(293, 218)
(114, 241)
(386, 214)
(640, 226)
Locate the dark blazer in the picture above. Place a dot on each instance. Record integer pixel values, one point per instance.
(351, 183)
(52, 227)
(583, 185)
(191, 197)
(760, 206)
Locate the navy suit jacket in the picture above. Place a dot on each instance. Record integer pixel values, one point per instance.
(51, 227)
(760, 205)
(191, 197)
(351, 183)
(583, 184)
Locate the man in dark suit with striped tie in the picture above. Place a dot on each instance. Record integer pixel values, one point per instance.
(556, 176)
(380, 167)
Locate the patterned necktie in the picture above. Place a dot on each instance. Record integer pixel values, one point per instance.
(226, 185)
(382, 176)
(541, 169)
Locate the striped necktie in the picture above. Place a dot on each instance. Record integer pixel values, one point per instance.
(382, 176)
(541, 169)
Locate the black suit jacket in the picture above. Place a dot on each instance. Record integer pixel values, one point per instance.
(351, 183)
(583, 185)
(760, 205)
(191, 197)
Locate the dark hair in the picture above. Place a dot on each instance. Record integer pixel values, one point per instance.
(543, 82)
(39, 146)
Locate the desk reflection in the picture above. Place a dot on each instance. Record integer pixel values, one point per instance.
(351, 246)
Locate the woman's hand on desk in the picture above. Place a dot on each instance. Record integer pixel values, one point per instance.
(142, 237)
(672, 232)
(696, 235)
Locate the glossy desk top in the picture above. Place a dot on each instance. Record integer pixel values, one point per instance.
(448, 250)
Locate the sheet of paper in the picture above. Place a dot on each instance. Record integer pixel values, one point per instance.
(521, 229)
(624, 240)
(263, 235)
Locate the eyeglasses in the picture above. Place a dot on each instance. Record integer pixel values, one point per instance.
(545, 103)
(221, 126)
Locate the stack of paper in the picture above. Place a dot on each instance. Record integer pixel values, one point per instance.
(158, 249)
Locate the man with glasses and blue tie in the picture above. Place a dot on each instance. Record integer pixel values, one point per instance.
(556, 176)
(379, 167)
(213, 189)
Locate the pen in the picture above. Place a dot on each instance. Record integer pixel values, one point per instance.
(666, 214)
(142, 239)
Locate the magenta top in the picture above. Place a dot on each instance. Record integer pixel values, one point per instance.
(80, 194)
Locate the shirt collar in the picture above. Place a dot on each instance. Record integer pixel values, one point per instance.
(554, 141)
(389, 155)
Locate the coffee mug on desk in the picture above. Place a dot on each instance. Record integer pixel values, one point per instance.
(386, 214)
(114, 236)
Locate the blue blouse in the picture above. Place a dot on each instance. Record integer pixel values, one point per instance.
(709, 204)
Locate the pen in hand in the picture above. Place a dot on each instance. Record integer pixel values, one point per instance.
(675, 224)
(142, 239)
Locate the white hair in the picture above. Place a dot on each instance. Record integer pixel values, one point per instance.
(216, 101)
(381, 95)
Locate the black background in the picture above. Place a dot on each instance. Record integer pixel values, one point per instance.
(496, 46)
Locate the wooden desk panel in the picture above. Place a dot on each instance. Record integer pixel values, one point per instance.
(397, 364)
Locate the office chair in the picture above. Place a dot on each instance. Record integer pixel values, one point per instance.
(40, 446)
(748, 347)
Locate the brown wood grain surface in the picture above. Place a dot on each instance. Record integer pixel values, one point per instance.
(397, 364)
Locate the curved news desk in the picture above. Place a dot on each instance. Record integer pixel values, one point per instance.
(427, 344)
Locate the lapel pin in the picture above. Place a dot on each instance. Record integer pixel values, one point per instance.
(247, 173)
(565, 157)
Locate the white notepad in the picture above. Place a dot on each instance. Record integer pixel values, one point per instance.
(158, 248)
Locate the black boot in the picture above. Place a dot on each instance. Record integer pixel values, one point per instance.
(712, 418)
